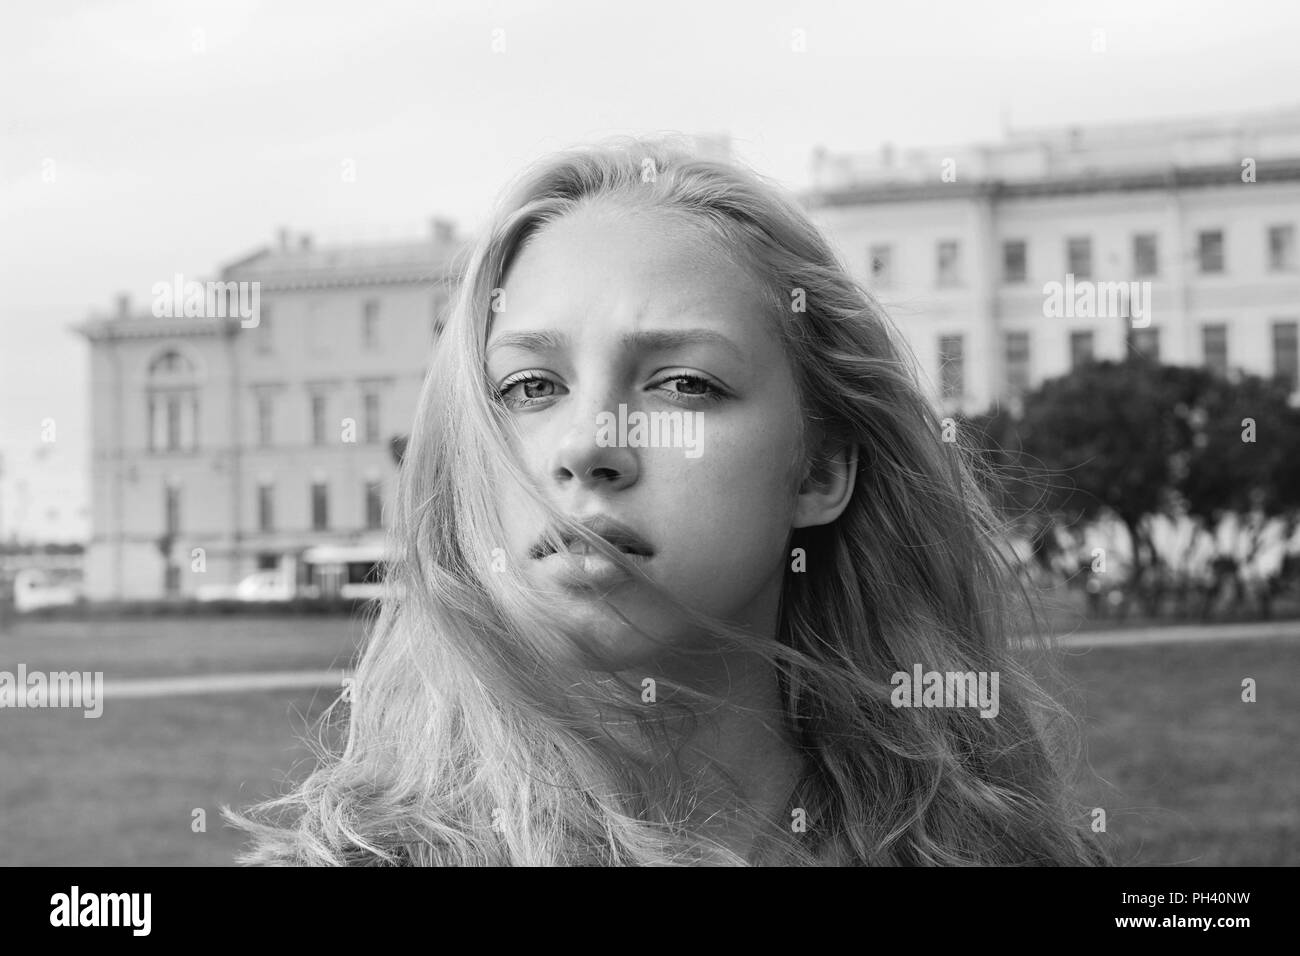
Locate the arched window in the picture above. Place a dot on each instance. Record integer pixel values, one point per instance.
(173, 396)
(171, 364)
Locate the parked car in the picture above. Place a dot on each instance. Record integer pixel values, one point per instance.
(35, 588)
(264, 586)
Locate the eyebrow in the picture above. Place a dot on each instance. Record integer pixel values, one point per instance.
(649, 340)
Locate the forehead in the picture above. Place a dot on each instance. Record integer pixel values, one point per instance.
(627, 264)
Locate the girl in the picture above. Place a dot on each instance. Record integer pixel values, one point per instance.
(674, 523)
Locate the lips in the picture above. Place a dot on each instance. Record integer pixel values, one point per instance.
(619, 535)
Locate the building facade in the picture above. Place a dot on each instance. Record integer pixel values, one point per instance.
(222, 446)
(972, 250)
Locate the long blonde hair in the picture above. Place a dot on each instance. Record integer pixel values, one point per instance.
(467, 742)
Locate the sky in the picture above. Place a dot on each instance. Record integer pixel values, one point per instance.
(142, 139)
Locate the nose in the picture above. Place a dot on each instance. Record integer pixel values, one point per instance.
(581, 460)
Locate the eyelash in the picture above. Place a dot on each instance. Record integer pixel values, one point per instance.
(519, 378)
(713, 394)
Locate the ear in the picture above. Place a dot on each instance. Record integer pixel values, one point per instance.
(827, 487)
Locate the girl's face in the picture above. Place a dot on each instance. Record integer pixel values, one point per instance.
(611, 316)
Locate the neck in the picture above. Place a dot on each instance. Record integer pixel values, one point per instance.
(739, 756)
(750, 743)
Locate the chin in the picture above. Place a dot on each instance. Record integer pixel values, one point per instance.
(602, 640)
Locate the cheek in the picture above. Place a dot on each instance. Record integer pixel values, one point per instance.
(737, 503)
(521, 517)
(756, 464)
(518, 514)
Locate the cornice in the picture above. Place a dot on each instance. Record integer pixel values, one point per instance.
(1169, 179)
(147, 327)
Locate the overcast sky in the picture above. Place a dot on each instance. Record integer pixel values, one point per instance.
(181, 134)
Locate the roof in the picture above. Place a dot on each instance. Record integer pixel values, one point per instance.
(1167, 178)
(287, 268)
(1156, 154)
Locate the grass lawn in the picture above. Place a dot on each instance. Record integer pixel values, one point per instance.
(183, 646)
(1187, 773)
(122, 789)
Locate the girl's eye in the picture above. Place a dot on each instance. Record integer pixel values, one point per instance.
(526, 388)
(690, 388)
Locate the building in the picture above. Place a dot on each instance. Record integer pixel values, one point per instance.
(224, 445)
(967, 249)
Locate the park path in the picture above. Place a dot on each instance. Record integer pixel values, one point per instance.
(222, 683)
(333, 679)
(1182, 633)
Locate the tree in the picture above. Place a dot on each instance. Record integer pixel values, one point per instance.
(1108, 437)
(1244, 463)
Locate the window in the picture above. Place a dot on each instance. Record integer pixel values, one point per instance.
(1014, 261)
(1017, 357)
(372, 417)
(262, 331)
(951, 377)
(1214, 342)
(881, 260)
(318, 419)
(374, 505)
(268, 561)
(172, 511)
(1146, 343)
(171, 364)
(370, 325)
(1281, 248)
(1146, 255)
(157, 423)
(265, 411)
(1080, 349)
(173, 403)
(1209, 250)
(1078, 257)
(1286, 357)
(319, 507)
(316, 330)
(266, 506)
(948, 254)
(190, 422)
(173, 408)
